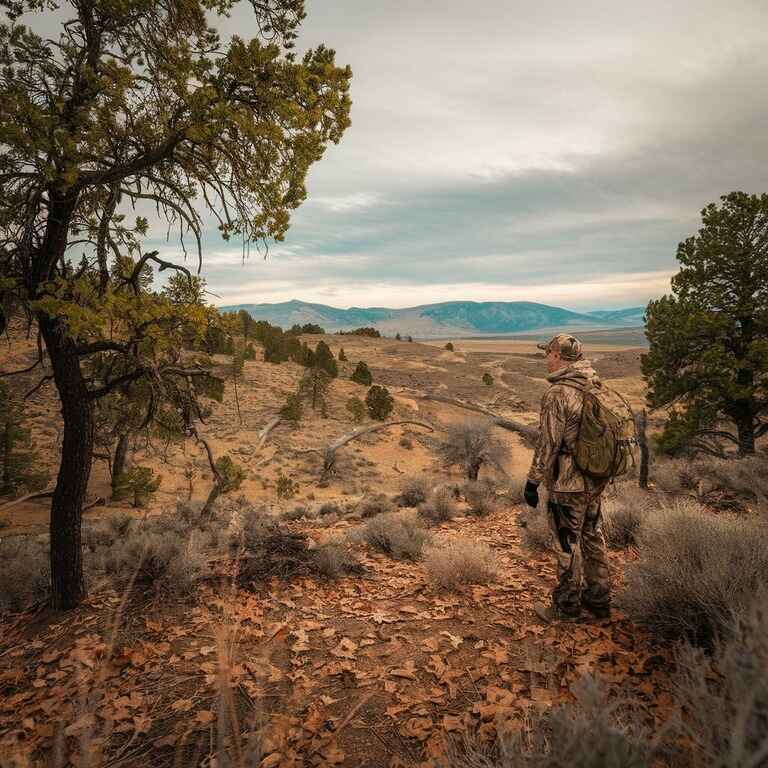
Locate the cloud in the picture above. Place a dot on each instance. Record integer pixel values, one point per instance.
(547, 151)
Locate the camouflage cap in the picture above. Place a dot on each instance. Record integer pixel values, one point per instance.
(568, 346)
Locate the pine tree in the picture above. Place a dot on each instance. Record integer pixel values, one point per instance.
(362, 374)
(708, 352)
(17, 455)
(379, 402)
(324, 359)
(314, 386)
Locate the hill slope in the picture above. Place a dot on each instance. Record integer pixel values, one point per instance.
(447, 318)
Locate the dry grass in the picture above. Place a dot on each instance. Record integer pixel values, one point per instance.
(623, 510)
(592, 732)
(480, 495)
(455, 562)
(726, 697)
(375, 504)
(414, 491)
(440, 505)
(399, 534)
(537, 531)
(696, 573)
(25, 573)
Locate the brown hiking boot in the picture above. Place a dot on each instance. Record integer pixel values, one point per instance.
(549, 614)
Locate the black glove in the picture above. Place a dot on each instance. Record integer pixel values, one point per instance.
(531, 494)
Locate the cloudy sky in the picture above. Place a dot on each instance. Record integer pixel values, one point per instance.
(507, 150)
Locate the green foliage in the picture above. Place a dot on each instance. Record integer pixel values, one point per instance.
(249, 352)
(708, 349)
(17, 455)
(398, 337)
(487, 379)
(307, 328)
(231, 474)
(286, 487)
(366, 331)
(314, 386)
(356, 408)
(379, 402)
(292, 409)
(342, 356)
(324, 359)
(362, 374)
(137, 483)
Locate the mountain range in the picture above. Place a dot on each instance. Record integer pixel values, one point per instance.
(451, 318)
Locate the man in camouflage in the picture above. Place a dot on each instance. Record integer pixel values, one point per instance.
(574, 498)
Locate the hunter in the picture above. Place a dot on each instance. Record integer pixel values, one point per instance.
(574, 497)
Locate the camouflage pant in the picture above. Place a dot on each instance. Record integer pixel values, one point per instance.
(581, 556)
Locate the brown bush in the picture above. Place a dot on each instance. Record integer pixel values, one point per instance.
(440, 505)
(454, 562)
(480, 495)
(25, 573)
(373, 505)
(399, 534)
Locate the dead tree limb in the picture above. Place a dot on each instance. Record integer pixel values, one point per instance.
(28, 497)
(264, 434)
(207, 510)
(528, 432)
(329, 452)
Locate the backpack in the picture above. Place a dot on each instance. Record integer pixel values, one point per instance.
(606, 443)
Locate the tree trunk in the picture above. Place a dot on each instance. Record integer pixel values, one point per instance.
(641, 423)
(473, 470)
(67, 586)
(121, 454)
(745, 425)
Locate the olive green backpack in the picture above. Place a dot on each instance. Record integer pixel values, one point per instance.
(606, 444)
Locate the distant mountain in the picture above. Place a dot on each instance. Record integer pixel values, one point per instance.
(630, 317)
(451, 318)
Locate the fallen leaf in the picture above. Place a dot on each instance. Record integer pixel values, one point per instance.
(205, 716)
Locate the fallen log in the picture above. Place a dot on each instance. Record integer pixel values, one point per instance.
(27, 497)
(264, 434)
(329, 452)
(528, 432)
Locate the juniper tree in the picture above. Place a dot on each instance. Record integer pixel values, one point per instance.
(708, 354)
(362, 374)
(379, 402)
(314, 386)
(324, 359)
(17, 455)
(140, 103)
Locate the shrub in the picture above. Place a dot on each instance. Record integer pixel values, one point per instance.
(377, 504)
(440, 505)
(336, 558)
(406, 442)
(154, 559)
(292, 408)
(297, 513)
(18, 459)
(399, 534)
(623, 514)
(471, 445)
(696, 572)
(379, 402)
(414, 491)
(329, 508)
(592, 732)
(362, 374)
(481, 496)
(249, 352)
(460, 561)
(138, 484)
(342, 355)
(487, 379)
(25, 574)
(449, 346)
(286, 487)
(537, 531)
(726, 697)
(356, 408)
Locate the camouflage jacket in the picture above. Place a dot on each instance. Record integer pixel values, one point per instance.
(559, 425)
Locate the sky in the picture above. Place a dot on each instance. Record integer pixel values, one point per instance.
(505, 150)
